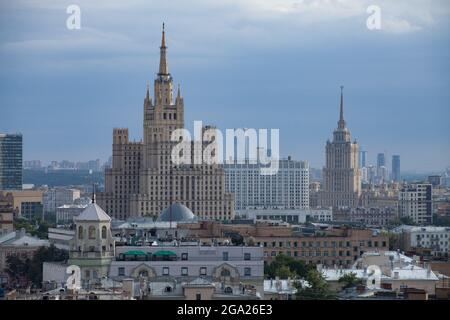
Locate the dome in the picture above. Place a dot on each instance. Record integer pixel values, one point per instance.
(177, 212)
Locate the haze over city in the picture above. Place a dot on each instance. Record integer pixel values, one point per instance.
(240, 64)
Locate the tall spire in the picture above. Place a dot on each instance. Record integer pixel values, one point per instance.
(341, 123)
(179, 91)
(147, 95)
(163, 63)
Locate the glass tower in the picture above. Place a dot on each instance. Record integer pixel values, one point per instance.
(10, 161)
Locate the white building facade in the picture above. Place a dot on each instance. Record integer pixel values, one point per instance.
(288, 188)
(57, 197)
(293, 216)
(416, 202)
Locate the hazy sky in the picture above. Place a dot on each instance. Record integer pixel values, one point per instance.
(247, 63)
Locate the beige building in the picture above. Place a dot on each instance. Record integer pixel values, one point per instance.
(341, 174)
(6, 217)
(143, 179)
(22, 200)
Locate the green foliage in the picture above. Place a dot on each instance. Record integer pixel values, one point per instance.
(317, 288)
(30, 270)
(284, 266)
(403, 220)
(35, 227)
(349, 280)
(441, 221)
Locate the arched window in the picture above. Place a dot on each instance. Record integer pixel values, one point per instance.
(103, 232)
(225, 273)
(80, 232)
(91, 232)
(228, 290)
(143, 273)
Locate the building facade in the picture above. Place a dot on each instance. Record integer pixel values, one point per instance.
(431, 239)
(11, 161)
(66, 213)
(396, 177)
(416, 202)
(229, 265)
(341, 174)
(342, 248)
(57, 197)
(370, 217)
(288, 188)
(293, 216)
(143, 179)
(26, 203)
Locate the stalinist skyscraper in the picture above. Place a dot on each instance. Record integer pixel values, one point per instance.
(143, 180)
(341, 174)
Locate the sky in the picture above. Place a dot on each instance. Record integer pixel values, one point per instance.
(241, 64)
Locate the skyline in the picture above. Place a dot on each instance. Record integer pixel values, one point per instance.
(102, 69)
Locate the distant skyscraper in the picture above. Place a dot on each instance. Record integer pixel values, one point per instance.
(10, 161)
(396, 168)
(342, 176)
(381, 160)
(144, 180)
(416, 202)
(362, 158)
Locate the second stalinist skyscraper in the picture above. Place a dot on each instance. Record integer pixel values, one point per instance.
(143, 180)
(341, 174)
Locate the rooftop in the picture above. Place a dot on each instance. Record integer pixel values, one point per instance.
(93, 212)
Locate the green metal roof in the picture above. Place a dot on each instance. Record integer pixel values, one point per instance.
(164, 253)
(135, 253)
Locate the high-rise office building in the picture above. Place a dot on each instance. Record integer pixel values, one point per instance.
(416, 202)
(143, 179)
(362, 158)
(396, 168)
(381, 160)
(287, 189)
(11, 161)
(341, 174)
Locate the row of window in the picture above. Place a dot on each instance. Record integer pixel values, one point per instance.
(185, 272)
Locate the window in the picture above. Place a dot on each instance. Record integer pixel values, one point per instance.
(198, 296)
(165, 271)
(80, 232)
(91, 232)
(247, 256)
(225, 273)
(203, 271)
(87, 274)
(103, 232)
(184, 271)
(184, 256)
(247, 272)
(121, 271)
(225, 256)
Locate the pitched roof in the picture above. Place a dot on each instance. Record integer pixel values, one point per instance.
(20, 238)
(93, 212)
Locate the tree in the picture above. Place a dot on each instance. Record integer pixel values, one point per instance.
(317, 288)
(30, 270)
(17, 269)
(284, 273)
(350, 280)
(282, 263)
(35, 227)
